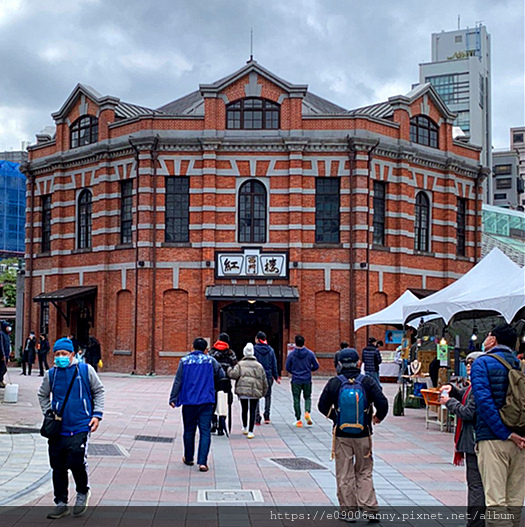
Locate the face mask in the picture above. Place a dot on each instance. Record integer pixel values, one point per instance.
(483, 347)
(61, 362)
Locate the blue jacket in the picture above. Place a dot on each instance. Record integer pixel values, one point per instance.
(265, 355)
(5, 342)
(195, 380)
(86, 399)
(489, 384)
(300, 364)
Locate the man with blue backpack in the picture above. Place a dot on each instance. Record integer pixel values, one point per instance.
(74, 393)
(348, 400)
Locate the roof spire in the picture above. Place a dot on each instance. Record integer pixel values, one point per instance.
(251, 44)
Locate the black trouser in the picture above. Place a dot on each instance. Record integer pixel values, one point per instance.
(29, 367)
(475, 493)
(42, 363)
(3, 369)
(267, 404)
(252, 405)
(93, 362)
(69, 453)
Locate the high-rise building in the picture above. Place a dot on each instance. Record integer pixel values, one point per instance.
(507, 184)
(517, 144)
(461, 73)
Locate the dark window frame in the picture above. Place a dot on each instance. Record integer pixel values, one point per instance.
(177, 209)
(424, 131)
(241, 114)
(379, 219)
(45, 243)
(83, 131)
(328, 210)
(461, 227)
(85, 219)
(126, 212)
(422, 223)
(252, 212)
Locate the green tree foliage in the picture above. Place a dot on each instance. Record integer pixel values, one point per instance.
(8, 280)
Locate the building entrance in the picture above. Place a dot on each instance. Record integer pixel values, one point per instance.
(243, 320)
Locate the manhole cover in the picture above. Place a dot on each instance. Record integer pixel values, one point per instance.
(297, 463)
(224, 496)
(21, 430)
(100, 450)
(154, 439)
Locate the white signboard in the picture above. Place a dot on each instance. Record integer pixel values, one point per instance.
(252, 264)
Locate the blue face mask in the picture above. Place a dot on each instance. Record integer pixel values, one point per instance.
(483, 347)
(61, 362)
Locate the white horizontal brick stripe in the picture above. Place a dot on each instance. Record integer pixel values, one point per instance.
(105, 213)
(360, 227)
(67, 219)
(100, 197)
(108, 230)
(444, 223)
(212, 208)
(210, 190)
(213, 226)
(400, 232)
(400, 215)
(306, 191)
(145, 190)
(292, 226)
(291, 209)
(68, 236)
(360, 172)
(59, 204)
(444, 239)
(295, 171)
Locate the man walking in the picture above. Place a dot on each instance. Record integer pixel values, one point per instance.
(300, 364)
(5, 350)
(372, 359)
(28, 355)
(265, 355)
(42, 351)
(501, 453)
(353, 451)
(93, 354)
(73, 390)
(342, 346)
(194, 390)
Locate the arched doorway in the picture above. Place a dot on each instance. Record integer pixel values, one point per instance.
(242, 321)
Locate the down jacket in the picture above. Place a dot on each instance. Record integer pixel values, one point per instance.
(490, 381)
(250, 377)
(467, 412)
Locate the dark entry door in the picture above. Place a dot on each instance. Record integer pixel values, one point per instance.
(243, 320)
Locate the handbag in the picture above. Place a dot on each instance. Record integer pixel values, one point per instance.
(52, 425)
(222, 404)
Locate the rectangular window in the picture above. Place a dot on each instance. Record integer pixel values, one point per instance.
(517, 138)
(46, 224)
(503, 183)
(327, 210)
(177, 209)
(126, 211)
(44, 318)
(502, 170)
(502, 195)
(379, 212)
(461, 220)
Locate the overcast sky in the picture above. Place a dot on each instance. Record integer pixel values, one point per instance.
(150, 52)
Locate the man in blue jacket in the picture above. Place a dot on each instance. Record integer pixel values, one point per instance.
(300, 364)
(265, 355)
(5, 350)
(501, 453)
(194, 390)
(81, 414)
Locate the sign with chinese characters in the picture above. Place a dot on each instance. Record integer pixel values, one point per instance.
(251, 263)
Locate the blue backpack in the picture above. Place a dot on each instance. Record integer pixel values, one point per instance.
(352, 405)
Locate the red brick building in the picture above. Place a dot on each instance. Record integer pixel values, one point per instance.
(248, 204)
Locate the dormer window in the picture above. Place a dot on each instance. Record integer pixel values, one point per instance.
(253, 114)
(84, 131)
(424, 131)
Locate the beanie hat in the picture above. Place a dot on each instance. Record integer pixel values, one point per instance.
(348, 356)
(505, 334)
(474, 355)
(248, 350)
(63, 344)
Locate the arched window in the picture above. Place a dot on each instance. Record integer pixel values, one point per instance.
(84, 219)
(252, 114)
(424, 131)
(422, 223)
(84, 131)
(252, 212)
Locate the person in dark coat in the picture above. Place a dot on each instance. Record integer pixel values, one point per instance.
(93, 353)
(461, 402)
(342, 346)
(265, 355)
(76, 345)
(5, 350)
(371, 358)
(42, 351)
(28, 355)
(224, 355)
(353, 454)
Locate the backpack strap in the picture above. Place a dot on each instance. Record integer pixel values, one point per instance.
(501, 360)
(342, 378)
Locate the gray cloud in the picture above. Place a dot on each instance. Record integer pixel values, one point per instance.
(353, 53)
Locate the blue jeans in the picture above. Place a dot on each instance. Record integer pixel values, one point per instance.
(194, 415)
(375, 376)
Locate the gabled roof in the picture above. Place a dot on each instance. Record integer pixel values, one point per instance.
(382, 110)
(183, 105)
(126, 110)
(322, 106)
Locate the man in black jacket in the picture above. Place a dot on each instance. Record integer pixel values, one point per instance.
(353, 453)
(372, 359)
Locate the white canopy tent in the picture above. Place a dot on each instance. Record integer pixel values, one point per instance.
(391, 315)
(485, 287)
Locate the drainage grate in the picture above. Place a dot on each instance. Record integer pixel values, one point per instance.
(154, 439)
(231, 496)
(297, 463)
(103, 450)
(21, 430)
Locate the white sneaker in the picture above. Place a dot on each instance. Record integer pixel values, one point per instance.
(245, 430)
(251, 435)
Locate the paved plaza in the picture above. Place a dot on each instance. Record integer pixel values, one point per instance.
(412, 465)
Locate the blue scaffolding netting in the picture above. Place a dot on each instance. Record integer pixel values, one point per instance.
(12, 208)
